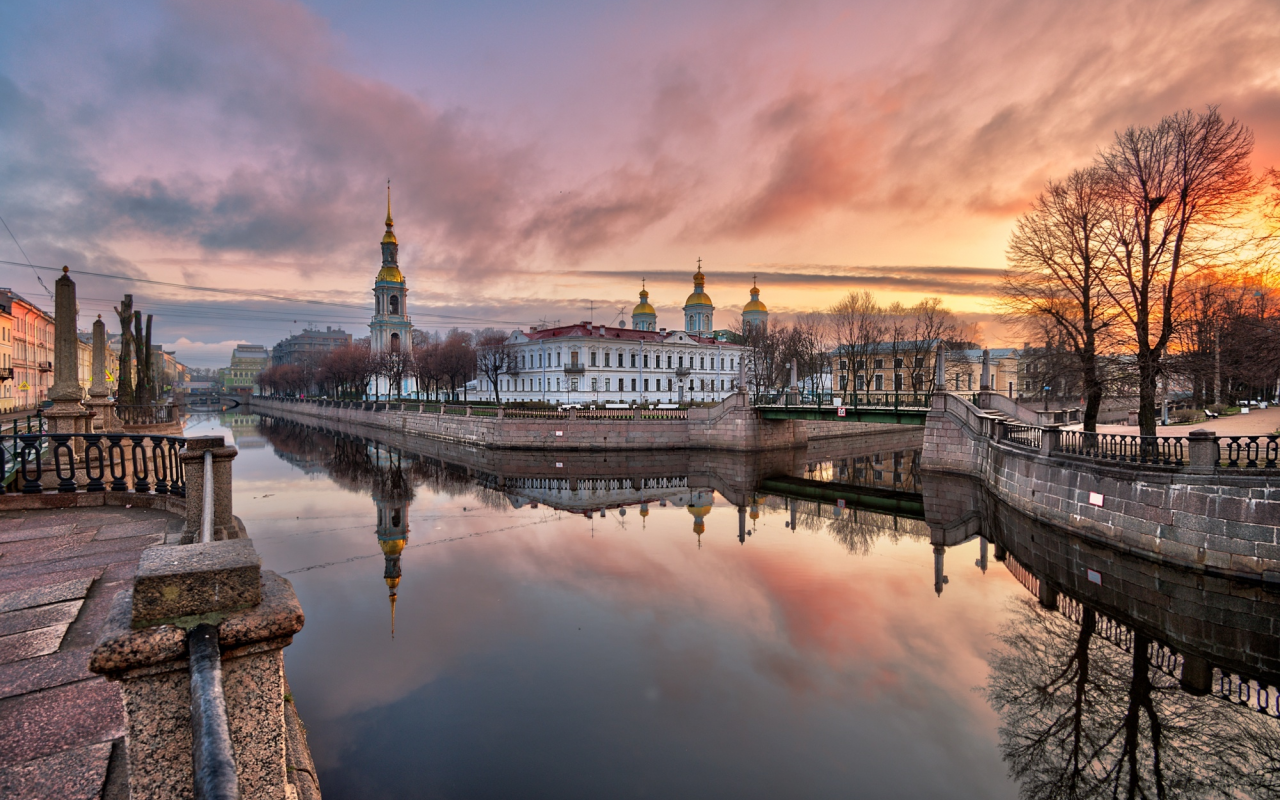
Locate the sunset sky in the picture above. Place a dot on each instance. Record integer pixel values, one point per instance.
(545, 157)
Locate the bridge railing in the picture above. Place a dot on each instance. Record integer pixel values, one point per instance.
(855, 400)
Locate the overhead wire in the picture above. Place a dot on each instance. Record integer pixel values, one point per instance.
(247, 293)
(28, 258)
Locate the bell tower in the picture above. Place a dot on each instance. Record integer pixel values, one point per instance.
(390, 329)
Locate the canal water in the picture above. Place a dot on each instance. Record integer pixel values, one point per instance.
(495, 630)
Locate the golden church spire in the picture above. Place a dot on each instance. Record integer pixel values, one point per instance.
(390, 236)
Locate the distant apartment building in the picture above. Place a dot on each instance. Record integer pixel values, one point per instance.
(247, 360)
(309, 346)
(32, 349)
(6, 362)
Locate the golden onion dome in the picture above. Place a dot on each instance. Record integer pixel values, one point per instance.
(643, 306)
(390, 274)
(754, 303)
(392, 547)
(755, 512)
(644, 509)
(699, 528)
(390, 236)
(699, 297)
(698, 511)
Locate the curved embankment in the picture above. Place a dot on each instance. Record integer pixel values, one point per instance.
(733, 425)
(1205, 517)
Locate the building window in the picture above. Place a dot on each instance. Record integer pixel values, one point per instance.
(680, 363)
(633, 360)
(844, 364)
(395, 305)
(557, 358)
(593, 383)
(844, 382)
(702, 362)
(897, 382)
(919, 362)
(646, 384)
(668, 364)
(879, 382)
(879, 363)
(633, 384)
(606, 380)
(593, 358)
(606, 358)
(669, 384)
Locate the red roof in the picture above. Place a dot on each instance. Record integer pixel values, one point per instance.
(623, 334)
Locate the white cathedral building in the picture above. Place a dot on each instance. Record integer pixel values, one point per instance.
(598, 364)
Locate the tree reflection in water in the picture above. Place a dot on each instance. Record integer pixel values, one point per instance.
(1083, 717)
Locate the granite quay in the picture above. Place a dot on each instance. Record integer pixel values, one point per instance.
(1203, 501)
(101, 587)
(140, 640)
(732, 425)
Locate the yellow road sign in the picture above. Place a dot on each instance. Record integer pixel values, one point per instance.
(110, 377)
(24, 387)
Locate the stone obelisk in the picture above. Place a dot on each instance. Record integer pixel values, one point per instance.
(99, 402)
(67, 414)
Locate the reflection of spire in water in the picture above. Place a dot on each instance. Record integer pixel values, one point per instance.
(391, 497)
(644, 513)
(699, 507)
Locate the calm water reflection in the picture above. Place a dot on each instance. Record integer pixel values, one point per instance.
(477, 626)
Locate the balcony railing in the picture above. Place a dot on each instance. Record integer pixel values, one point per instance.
(683, 372)
(44, 366)
(6, 373)
(574, 369)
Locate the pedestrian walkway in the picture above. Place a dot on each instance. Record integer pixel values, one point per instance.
(61, 726)
(1257, 422)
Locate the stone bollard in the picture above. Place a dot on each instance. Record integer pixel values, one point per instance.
(192, 457)
(573, 413)
(635, 413)
(1049, 437)
(468, 411)
(502, 412)
(1203, 452)
(143, 646)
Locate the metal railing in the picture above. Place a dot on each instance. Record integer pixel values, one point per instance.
(145, 415)
(116, 462)
(1250, 452)
(850, 399)
(1168, 451)
(1025, 435)
(213, 760)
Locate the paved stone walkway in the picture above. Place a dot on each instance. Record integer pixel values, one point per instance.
(1256, 422)
(61, 726)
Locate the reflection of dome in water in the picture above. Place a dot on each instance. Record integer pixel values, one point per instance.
(699, 507)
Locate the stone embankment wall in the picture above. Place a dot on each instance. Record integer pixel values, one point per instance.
(733, 425)
(1208, 518)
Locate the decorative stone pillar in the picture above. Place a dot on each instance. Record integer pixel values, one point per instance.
(1203, 447)
(984, 382)
(99, 402)
(939, 576)
(192, 457)
(1048, 595)
(1049, 437)
(144, 647)
(1197, 675)
(67, 414)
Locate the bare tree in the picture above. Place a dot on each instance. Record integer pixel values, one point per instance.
(124, 379)
(494, 356)
(859, 330)
(1175, 190)
(1057, 258)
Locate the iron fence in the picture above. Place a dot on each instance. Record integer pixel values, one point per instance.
(1163, 450)
(1250, 452)
(1024, 435)
(93, 462)
(145, 415)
